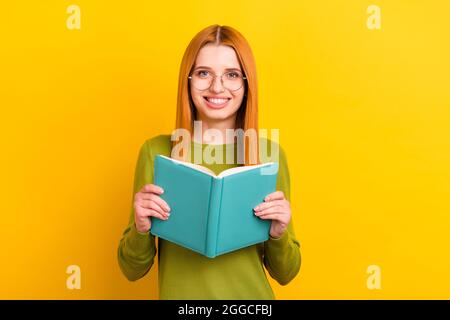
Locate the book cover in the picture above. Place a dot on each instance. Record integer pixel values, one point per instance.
(213, 214)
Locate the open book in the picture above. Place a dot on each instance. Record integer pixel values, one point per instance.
(211, 214)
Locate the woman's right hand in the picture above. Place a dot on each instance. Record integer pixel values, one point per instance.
(148, 203)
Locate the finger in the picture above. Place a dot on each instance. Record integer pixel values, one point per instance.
(150, 213)
(150, 204)
(151, 196)
(161, 202)
(273, 216)
(152, 188)
(274, 209)
(277, 195)
(269, 204)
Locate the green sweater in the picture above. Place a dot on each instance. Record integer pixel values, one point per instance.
(184, 274)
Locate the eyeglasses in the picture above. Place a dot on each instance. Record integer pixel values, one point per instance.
(202, 79)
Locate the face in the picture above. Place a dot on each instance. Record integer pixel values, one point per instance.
(217, 103)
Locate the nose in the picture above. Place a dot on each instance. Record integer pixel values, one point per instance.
(217, 85)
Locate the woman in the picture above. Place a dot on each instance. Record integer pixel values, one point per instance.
(217, 86)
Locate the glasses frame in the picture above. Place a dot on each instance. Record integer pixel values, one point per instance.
(221, 80)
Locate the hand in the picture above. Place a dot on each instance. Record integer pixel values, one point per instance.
(148, 203)
(276, 208)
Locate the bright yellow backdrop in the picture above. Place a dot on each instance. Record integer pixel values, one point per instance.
(364, 117)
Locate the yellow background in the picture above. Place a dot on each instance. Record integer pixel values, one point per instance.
(364, 117)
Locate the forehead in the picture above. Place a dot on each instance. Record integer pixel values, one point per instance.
(217, 57)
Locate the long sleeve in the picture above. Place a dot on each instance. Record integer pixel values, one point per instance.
(137, 250)
(282, 256)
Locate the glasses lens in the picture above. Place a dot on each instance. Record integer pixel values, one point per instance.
(232, 80)
(202, 80)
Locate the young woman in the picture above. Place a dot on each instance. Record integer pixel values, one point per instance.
(217, 86)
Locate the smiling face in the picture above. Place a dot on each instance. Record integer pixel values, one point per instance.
(217, 103)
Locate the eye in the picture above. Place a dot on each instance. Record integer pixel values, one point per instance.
(233, 75)
(202, 73)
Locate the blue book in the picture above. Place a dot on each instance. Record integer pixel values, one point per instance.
(210, 214)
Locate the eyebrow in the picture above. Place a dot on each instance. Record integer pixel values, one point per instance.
(227, 69)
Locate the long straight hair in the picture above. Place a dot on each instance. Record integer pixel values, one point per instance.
(247, 114)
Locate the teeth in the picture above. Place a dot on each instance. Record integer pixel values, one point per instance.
(217, 101)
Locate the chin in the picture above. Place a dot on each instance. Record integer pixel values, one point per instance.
(217, 115)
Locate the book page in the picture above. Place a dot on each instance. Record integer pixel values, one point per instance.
(224, 173)
(235, 170)
(191, 165)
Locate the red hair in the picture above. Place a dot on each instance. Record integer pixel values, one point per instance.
(247, 114)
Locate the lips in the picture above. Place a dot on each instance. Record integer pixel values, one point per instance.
(216, 102)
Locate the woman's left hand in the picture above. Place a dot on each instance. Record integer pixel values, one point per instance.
(276, 208)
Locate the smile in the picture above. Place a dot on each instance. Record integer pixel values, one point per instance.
(216, 103)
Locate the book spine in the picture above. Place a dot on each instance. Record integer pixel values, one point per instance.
(213, 217)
